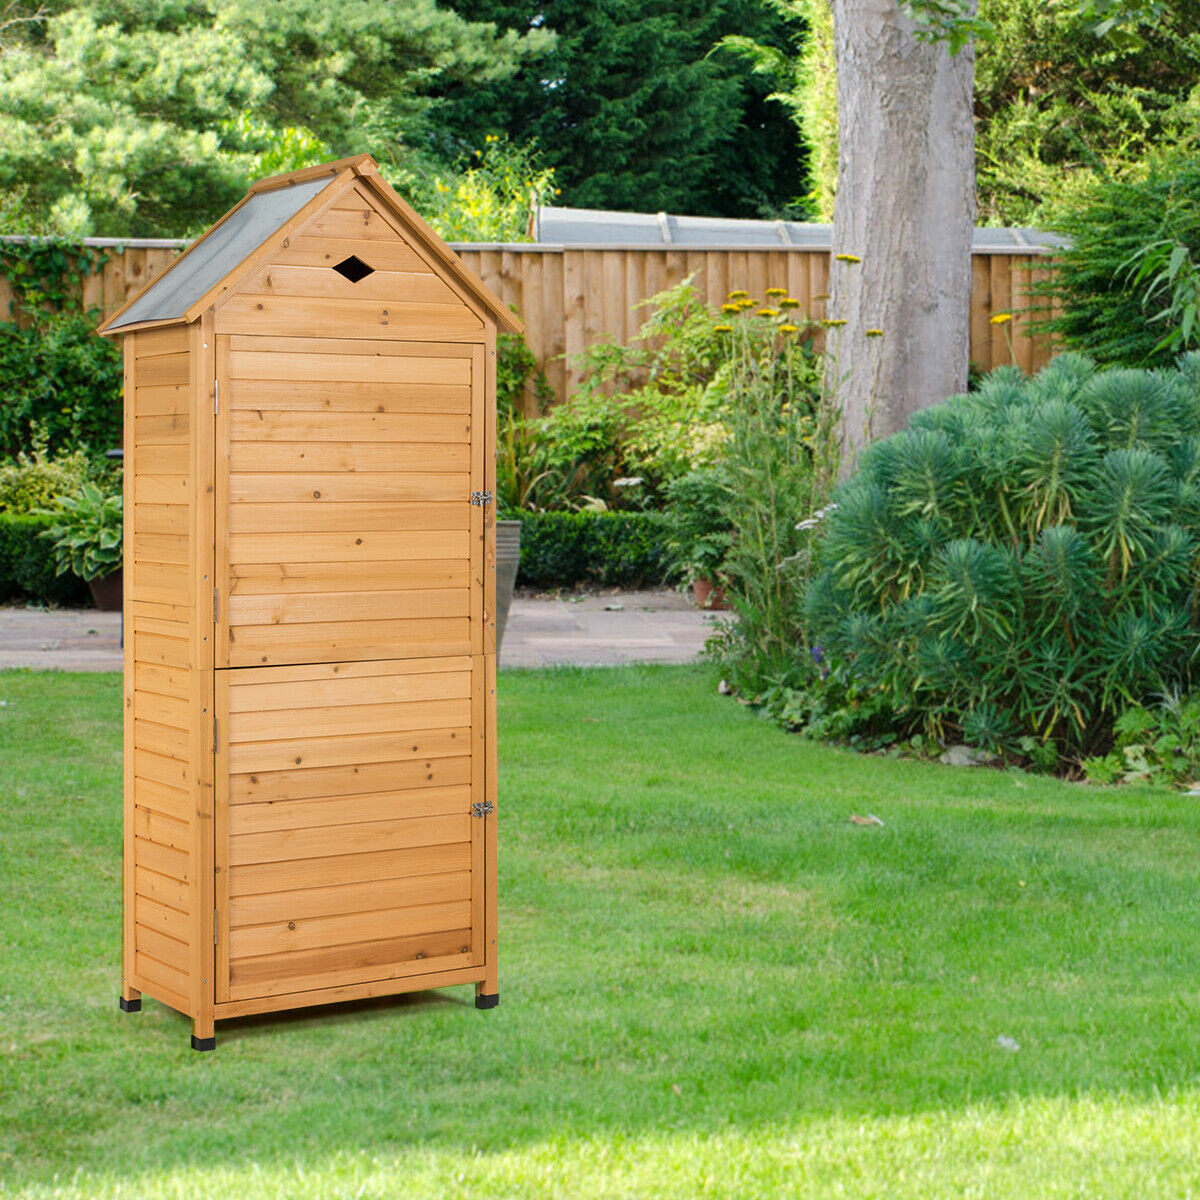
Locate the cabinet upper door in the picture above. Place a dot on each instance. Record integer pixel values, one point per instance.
(345, 528)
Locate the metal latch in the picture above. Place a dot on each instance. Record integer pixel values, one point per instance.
(482, 808)
(479, 499)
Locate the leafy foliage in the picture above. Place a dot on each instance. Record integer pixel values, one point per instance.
(86, 533)
(1153, 744)
(1017, 567)
(653, 411)
(492, 195)
(698, 528)
(1109, 309)
(152, 118)
(780, 462)
(61, 383)
(34, 481)
(632, 110)
(610, 549)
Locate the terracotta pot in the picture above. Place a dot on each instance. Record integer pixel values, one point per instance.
(106, 592)
(708, 595)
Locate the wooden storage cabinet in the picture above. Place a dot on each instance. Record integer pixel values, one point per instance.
(310, 784)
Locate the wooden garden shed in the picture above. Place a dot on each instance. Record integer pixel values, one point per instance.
(310, 784)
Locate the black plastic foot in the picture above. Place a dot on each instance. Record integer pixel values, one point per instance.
(203, 1043)
(130, 1005)
(487, 1001)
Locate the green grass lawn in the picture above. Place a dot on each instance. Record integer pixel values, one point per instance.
(712, 982)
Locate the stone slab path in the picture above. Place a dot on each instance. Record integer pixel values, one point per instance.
(604, 629)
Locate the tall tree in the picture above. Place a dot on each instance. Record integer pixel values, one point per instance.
(903, 217)
(149, 116)
(633, 111)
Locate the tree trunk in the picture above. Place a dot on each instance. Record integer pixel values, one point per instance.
(905, 206)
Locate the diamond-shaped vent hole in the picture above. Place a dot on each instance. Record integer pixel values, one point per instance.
(353, 268)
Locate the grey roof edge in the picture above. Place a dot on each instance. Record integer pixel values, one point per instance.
(706, 248)
(218, 253)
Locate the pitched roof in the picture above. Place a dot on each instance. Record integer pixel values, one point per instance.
(272, 211)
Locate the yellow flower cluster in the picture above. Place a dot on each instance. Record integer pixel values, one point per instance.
(833, 322)
(723, 328)
(737, 295)
(776, 291)
(788, 327)
(874, 333)
(789, 302)
(1002, 318)
(848, 258)
(731, 308)
(767, 312)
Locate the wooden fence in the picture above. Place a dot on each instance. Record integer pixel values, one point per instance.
(570, 297)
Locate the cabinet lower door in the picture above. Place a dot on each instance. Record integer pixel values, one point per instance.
(346, 846)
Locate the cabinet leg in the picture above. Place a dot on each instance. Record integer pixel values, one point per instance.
(203, 1034)
(130, 999)
(487, 994)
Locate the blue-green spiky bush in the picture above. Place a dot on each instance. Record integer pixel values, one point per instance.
(1021, 563)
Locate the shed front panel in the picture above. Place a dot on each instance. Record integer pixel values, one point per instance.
(345, 529)
(347, 850)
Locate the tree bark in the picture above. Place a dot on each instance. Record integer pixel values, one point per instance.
(905, 206)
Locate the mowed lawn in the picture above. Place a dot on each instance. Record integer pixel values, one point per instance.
(712, 982)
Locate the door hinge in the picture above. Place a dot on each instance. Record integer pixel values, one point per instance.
(216, 606)
(214, 926)
(479, 499)
(216, 397)
(482, 808)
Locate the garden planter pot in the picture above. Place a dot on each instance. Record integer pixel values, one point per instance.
(708, 595)
(508, 558)
(106, 592)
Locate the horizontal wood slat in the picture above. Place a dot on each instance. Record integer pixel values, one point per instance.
(374, 487)
(445, 908)
(342, 641)
(256, 579)
(329, 967)
(266, 879)
(324, 516)
(339, 428)
(289, 844)
(270, 788)
(356, 897)
(252, 757)
(323, 395)
(340, 317)
(427, 801)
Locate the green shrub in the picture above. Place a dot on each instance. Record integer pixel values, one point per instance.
(1153, 745)
(610, 549)
(34, 481)
(87, 533)
(697, 523)
(61, 382)
(27, 565)
(650, 412)
(1107, 311)
(1018, 566)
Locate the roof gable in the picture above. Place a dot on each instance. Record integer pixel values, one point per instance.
(261, 223)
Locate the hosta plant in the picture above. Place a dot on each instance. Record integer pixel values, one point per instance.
(87, 533)
(1018, 567)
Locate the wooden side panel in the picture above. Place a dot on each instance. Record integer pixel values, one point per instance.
(168, 666)
(162, 868)
(347, 851)
(346, 529)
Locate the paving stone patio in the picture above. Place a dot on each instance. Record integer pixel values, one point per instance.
(606, 629)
